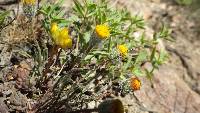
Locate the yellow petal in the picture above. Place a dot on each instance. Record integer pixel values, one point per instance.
(123, 50)
(66, 43)
(102, 31)
(55, 32)
(60, 37)
(64, 33)
(29, 2)
(54, 27)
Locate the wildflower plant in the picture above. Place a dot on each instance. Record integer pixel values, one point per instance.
(29, 7)
(91, 53)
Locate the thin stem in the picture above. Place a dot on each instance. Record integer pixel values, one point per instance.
(59, 73)
(109, 45)
(77, 44)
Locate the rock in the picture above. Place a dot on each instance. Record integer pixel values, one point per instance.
(13, 98)
(92, 105)
(3, 107)
(5, 55)
(131, 105)
(18, 101)
(170, 94)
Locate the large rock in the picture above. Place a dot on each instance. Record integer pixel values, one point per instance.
(169, 94)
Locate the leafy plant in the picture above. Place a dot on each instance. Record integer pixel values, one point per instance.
(3, 16)
(104, 54)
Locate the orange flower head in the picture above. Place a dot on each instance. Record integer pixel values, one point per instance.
(135, 83)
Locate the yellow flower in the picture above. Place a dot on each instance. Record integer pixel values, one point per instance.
(123, 50)
(102, 31)
(54, 27)
(60, 37)
(135, 83)
(64, 39)
(64, 33)
(67, 43)
(28, 2)
(54, 31)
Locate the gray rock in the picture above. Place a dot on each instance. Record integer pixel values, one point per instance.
(3, 107)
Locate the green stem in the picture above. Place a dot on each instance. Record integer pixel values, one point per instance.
(109, 45)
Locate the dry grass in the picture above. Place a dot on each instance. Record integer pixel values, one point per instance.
(22, 30)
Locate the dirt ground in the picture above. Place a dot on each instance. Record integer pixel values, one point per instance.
(176, 85)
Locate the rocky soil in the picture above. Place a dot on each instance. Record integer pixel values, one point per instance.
(176, 85)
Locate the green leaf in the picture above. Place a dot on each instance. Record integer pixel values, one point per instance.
(78, 7)
(88, 57)
(138, 21)
(3, 16)
(137, 71)
(92, 7)
(74, 18)
(128, 63)
(87, 36)
(149, 74)
(61, 14)
(153, 54)
(103, 17)
(142, 56)
(100, 53)
(163, 57)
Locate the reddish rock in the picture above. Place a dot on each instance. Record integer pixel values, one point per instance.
(170, 94)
